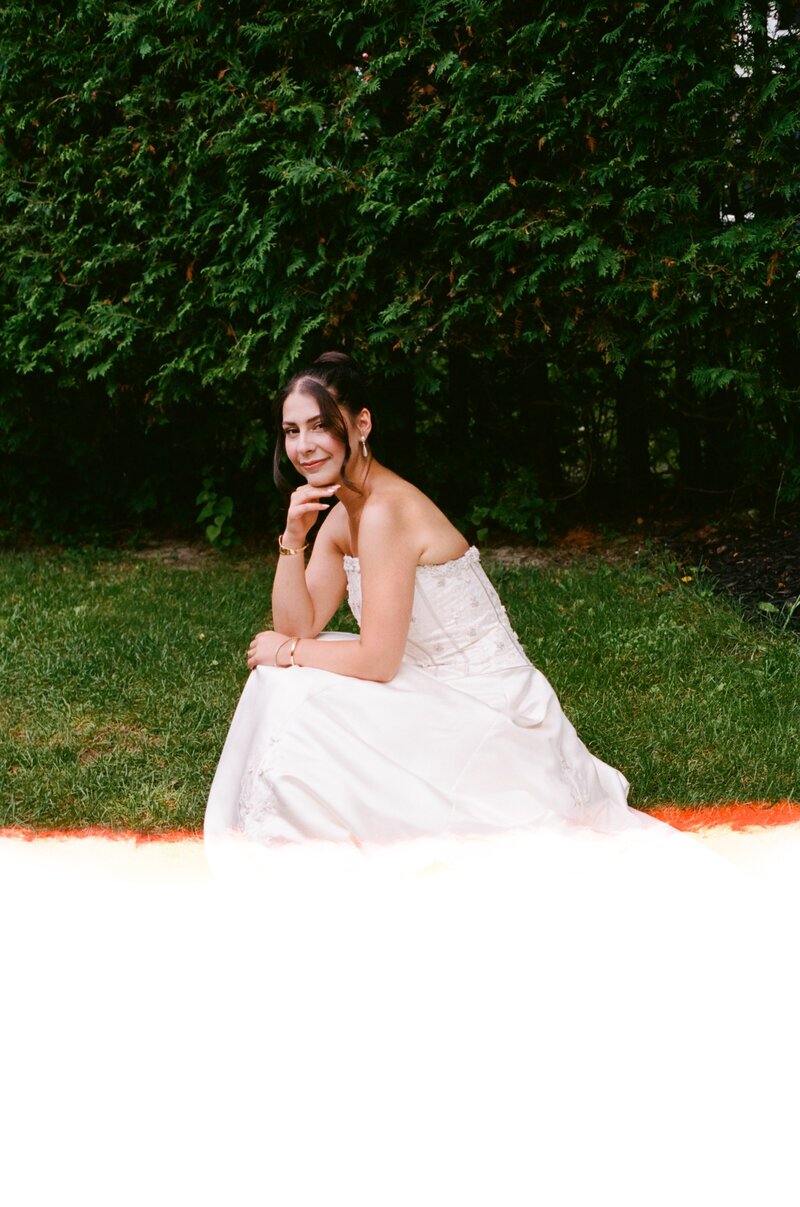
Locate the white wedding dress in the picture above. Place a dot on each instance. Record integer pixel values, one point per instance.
(454, 967)
(467, 739)
(442, 964)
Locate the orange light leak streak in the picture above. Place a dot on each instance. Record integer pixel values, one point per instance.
(28, 834)
(736, 815)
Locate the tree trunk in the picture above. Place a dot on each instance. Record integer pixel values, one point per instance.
(539, 424)
(634, 399)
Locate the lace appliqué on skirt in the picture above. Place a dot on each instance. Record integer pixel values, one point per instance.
(576, 778)
(258, 801)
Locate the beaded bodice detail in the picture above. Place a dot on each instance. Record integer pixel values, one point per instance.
(458, 624)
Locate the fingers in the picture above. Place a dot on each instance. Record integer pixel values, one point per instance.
(304, 508)
(304, 505)
(311, 494)
(308, 503)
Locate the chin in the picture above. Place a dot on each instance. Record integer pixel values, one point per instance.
(320, 481)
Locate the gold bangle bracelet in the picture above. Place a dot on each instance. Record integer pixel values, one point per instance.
(278, 651)
(286, 550)
(292, 649)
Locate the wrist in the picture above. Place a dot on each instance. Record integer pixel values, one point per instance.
(290, 546)
(277, 658)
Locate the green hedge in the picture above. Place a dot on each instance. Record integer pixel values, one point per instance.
(564, 237)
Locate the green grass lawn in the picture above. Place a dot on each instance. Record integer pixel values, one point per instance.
(119, 675)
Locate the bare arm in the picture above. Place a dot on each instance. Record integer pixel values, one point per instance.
(305, 597)
(388, 554)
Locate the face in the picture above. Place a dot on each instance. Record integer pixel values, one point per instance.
(312, 448)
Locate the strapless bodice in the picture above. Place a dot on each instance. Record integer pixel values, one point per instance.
(458, 624)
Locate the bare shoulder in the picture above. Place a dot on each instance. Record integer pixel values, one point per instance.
(399, 510)
(389, 513)
(389, 505)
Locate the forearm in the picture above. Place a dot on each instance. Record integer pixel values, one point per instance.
(292, 606)
(352, 658)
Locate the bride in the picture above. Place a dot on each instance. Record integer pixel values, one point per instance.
(432, 722)
(459, 959)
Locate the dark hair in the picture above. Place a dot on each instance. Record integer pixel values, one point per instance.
(334, 380)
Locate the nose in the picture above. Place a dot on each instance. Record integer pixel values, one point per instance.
(307, 442)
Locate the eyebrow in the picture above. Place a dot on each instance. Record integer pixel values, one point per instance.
(292, 423)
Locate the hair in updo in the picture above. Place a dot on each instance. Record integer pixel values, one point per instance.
(334, 380)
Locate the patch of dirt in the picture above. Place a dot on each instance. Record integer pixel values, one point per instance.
(581, 544)
(182, 555)
(755, 561)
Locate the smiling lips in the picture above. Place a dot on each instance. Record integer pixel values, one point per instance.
(313, 464)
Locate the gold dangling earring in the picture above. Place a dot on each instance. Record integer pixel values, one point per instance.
(364, 452)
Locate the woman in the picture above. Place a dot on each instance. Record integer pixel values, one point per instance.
(459, 995)
(432, 721)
